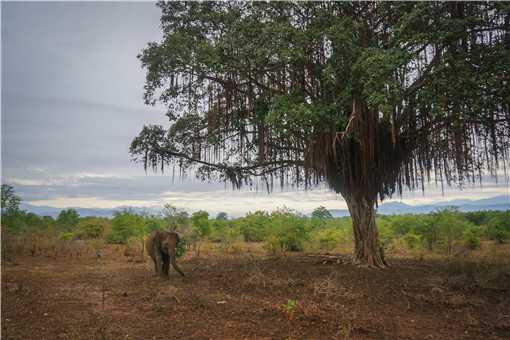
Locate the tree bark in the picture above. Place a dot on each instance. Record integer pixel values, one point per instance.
(367, 250)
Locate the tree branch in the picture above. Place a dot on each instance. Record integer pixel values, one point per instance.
(419, 82)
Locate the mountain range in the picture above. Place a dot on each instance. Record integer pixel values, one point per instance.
(389, 208)
(399, 208)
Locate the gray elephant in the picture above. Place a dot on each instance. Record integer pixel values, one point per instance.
(161, 246)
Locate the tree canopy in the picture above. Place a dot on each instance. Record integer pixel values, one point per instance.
(369, 97)
(322, 213)
(10, 201)
(68, 219)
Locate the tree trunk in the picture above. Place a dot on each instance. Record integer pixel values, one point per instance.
(367, 250)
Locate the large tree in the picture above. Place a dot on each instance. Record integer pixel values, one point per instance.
(368, 97)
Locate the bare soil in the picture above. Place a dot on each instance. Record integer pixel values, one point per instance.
(241, 297)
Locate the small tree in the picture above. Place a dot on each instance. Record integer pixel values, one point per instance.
(126, 224)
(90, 228)
(254, 226)
(450, 225)
(200, 228)
(176, 219)
(498, 228)
(321, 213)
(67, 220)
(471, 239)
(288, 231)
(200, 224)
(154, 223)
(222, 216)
(10, 201)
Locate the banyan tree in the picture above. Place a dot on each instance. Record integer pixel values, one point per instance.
(370, 98)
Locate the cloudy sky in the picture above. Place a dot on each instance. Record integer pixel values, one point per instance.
(72, 102)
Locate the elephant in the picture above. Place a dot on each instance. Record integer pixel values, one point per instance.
(161, 246)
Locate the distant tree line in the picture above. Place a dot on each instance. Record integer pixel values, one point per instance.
(281, 230)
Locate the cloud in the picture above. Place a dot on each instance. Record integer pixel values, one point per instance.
(72, 90)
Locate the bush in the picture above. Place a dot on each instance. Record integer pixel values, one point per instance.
(288, 232)
(386, 231)
(471, 240)
(450, 225)
(180, 250)
(320, 216)
(68, 219)
(66, 236)
(201, 227)
(253, 227)
(327, 238)
(154, 223)
(412, 241)
(125, 225)
(328, 241)
(90, 228)
(498, 228)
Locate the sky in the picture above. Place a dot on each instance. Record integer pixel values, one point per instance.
(72, 102)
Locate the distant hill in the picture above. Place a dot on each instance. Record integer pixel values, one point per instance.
(389, 208)
(395, 208)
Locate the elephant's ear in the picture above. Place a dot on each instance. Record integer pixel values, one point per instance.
(157, 240)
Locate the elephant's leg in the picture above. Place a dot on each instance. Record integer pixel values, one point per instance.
(166, 265)
(155, 266)
(174, 264)
(158, 262)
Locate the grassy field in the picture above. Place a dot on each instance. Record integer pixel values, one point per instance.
(106, 292)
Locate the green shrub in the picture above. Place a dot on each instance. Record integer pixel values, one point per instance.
(471, 240)
(273, 245)
(180, 250)
(328, 242)
(327, 238)
(126, 224)
(449, 225)
(68, 219)
(253, 227)
(412, 241)
(320, 216)
(498, 228)
(154, 223)
(66, 236)
(288, 232)
(200, 225)
(386, 231)
(479, 217)
(90, 228)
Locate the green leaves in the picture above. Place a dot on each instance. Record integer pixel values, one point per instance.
(10, 201)
(68, 220)
(200, 224)
(291, 113)
(265, 89)
(126, 225)
(377, 71)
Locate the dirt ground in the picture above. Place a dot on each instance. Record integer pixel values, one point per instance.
(242, 297)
